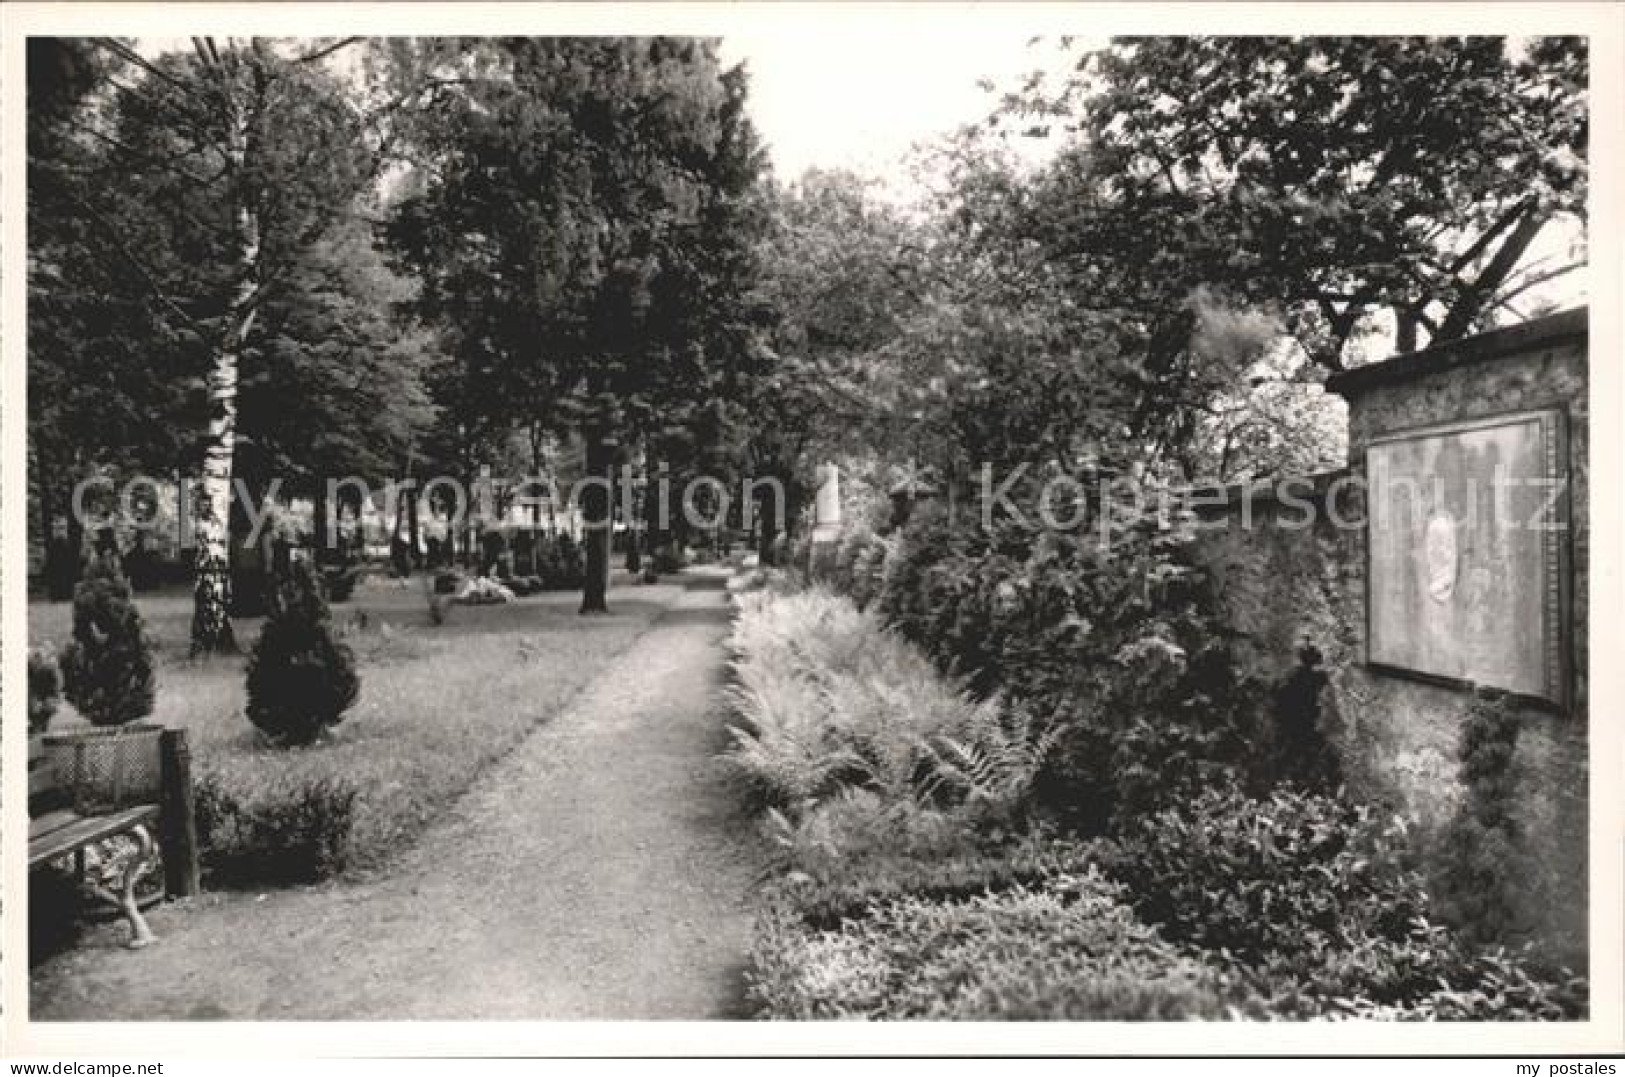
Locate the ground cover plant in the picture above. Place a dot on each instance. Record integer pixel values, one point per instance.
(435, 708)
(1072, 951)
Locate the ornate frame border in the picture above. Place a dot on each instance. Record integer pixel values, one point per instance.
(1556, 603)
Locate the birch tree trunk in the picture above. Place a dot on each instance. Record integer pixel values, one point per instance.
(211, 623)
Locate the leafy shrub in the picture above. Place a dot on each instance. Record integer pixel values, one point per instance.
(523, 545)
(560, 561)
(340, 582)
(859, 565)
(1106, 632)
(1278, 876)
(667, 558)
(1152, 727)
(301, 679)
(1502, 985)
(1071, 951)
(44, 689)
(1429, 976)
(493, 548)
(525, 585)
(270, 827)
(107, 667)
(1312, 901)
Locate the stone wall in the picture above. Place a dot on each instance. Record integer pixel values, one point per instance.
(1291, 564)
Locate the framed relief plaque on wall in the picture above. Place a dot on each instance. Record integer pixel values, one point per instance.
(1467, 554)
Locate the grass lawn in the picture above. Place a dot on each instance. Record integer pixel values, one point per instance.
(437, 704)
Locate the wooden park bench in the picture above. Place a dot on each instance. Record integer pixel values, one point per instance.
(58, 829)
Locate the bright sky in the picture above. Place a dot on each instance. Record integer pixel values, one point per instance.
(834, 99)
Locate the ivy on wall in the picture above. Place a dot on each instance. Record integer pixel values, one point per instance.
(1475, 875)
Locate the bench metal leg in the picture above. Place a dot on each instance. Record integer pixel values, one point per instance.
(145, 860)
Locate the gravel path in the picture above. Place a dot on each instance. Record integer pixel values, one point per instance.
(599, 872)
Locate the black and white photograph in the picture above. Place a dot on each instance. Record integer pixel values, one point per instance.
(880, 516)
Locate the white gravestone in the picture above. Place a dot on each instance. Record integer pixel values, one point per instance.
(827, 505)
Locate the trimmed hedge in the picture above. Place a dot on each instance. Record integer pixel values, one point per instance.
(273, 828)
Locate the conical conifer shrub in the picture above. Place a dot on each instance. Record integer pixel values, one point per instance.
(107, 667)
(301, 679)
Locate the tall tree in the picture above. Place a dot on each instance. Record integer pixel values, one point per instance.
(221, 168)
(101, 363)
(844, 271)
(565, 227)
(1343, 186)
(1342, 176)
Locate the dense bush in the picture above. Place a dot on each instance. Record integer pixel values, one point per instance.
(859, 564)
(1071, 951)
(1315, 904)
(1284, 875)
(269, 827)
(301, 679)
(340, 581)
(493, 549)
(44, 689)
(560, 561)
(667, 558)
(1105, 633)
(107, 667)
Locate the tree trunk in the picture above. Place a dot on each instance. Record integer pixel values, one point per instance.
(634, 529)
(211, 624)
(596, 506)
(412, 529)
(211, 627)
(654, 529)
(321, 537)
(765, 534)
(64, 555)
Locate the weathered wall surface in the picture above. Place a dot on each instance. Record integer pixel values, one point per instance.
(1291, 567)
